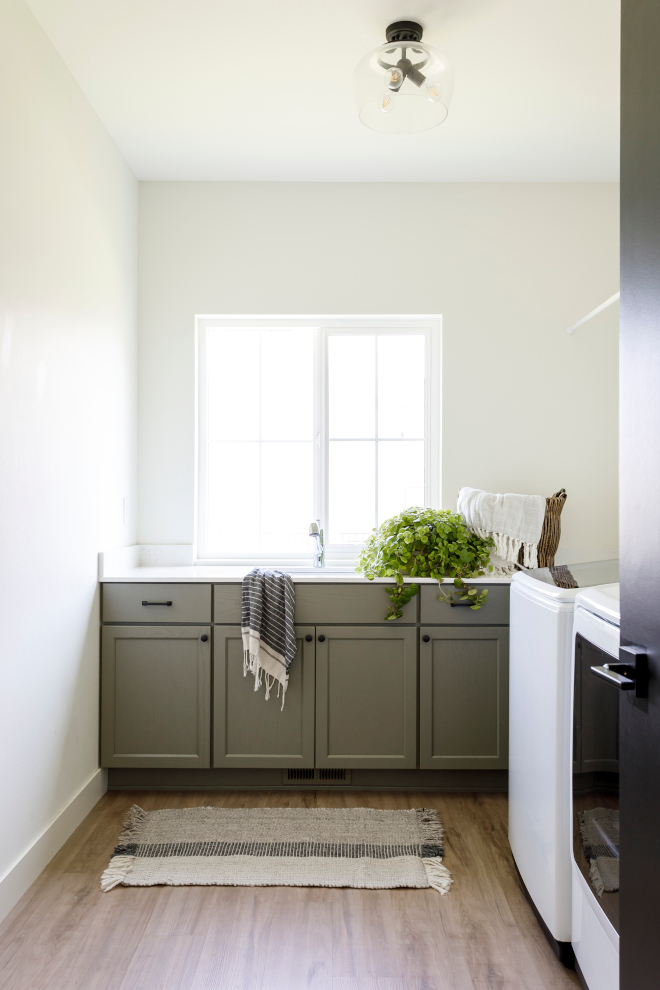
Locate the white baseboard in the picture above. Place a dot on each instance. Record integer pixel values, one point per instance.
(22, 874)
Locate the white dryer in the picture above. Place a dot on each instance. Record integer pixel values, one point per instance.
(540, 691)
(595, 806)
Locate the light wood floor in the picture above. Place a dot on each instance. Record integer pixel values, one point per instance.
(65, 933)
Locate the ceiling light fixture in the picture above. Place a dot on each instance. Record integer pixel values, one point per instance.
(403, 86)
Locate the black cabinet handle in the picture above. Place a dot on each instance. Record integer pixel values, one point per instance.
(308, 638)
(321, 639)
(156, 603)
(426, 639)
(204, 639)
(461, 604)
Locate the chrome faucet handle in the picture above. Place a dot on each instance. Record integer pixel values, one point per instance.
(317, 533)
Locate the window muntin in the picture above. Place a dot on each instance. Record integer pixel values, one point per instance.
(376, 430)
(260, 430)
(309, 421)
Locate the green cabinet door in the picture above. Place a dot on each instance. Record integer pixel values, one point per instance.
(366, 696)
(155, 696)
(464, 697)
(249, 731)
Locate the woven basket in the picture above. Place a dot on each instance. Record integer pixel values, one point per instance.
(551, 532)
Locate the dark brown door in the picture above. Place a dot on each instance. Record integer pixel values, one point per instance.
(640, 489)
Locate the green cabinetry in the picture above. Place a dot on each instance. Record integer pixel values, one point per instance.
(428, 691)
(366, 696)
(156, 694)
(249, 731)
(464, 697)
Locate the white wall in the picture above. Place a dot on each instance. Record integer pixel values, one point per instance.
(68, 264)
(526, 408)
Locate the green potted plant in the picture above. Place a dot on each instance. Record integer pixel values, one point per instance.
(432, 543)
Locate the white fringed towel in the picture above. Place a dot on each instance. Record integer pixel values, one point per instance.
(512, 521)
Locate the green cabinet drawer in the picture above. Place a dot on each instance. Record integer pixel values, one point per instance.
(347, 603)
(156, 602)
(320, 603)
(494, 611)
(227, 604)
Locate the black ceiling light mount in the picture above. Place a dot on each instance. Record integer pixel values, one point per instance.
(402, 34)
(404, 31)
(404, 85)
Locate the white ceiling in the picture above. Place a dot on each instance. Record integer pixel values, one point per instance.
(261, 89)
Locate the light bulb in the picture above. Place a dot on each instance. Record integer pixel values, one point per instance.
(386, 102)
(394, 78)
(433, 92)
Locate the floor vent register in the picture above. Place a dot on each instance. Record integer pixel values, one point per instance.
(318, 776)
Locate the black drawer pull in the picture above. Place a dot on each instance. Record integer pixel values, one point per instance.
(461, 604)
(204, 638)
(426, 639)
(321, 639)
(308, 638)
(156, 603)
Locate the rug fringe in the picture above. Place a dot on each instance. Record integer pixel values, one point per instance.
(430, 826)
(437, 875)
(120, 867)
(137, 819)
(596, 879)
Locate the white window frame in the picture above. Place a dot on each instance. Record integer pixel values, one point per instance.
(428, 325)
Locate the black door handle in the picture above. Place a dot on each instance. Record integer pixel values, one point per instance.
(632, 671)
(204, 638)
(636, 660)
(308, 638)
(612, 676)
(321, 639)
(156, 603)
(426, 639)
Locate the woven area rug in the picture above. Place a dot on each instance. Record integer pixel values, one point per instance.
(282, 847)
(599, 829)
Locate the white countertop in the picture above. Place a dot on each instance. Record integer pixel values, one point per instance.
(168, 564)
(227, 575)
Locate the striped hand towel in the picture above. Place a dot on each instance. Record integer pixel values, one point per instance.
(269, 639)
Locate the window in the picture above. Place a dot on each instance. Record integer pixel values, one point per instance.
(312, 418)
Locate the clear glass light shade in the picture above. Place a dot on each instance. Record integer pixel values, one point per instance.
(415, 80)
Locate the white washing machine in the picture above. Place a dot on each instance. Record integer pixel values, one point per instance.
(540, 690)
(595, 811)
